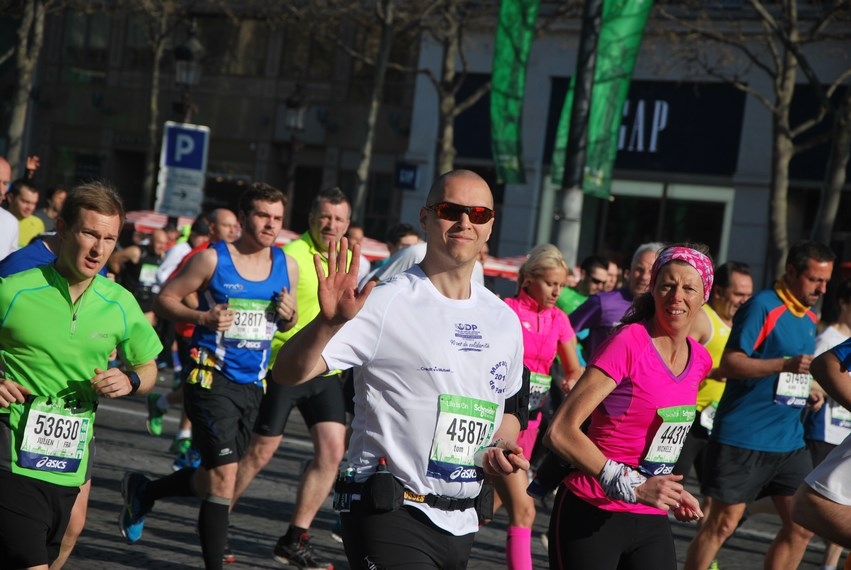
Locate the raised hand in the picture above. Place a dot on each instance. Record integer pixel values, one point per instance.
(339, 298)
(33, 162)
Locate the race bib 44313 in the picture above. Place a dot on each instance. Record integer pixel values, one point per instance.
(667, 442)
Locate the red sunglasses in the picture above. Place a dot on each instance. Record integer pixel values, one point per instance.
(452, 212)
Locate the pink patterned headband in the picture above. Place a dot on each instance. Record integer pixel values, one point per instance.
(701, 263)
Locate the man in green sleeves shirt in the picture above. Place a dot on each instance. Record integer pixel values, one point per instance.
(591, 281)
(59, 323)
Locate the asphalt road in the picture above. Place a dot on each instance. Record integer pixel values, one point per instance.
(171, 541)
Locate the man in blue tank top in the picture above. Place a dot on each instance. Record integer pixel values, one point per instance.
(243, 298)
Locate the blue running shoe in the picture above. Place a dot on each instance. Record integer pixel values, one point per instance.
(189, 458)
(131, 521)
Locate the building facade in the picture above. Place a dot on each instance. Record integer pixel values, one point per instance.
(287, 107)
(694, 158)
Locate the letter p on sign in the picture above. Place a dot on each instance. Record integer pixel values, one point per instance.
(184, 145)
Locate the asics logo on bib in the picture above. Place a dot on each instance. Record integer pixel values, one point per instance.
(248, 344)
(465, 474)
(664, 470)
(48, 463)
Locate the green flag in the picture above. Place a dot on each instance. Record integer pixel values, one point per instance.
(514, 34)
(621, 32)
(560, 144)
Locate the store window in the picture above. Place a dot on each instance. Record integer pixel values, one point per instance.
(643, 212)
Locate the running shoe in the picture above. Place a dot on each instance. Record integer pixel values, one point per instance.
(131, 521)
(155, 416)
(190, 458)
(300, 554)
(181, 445)
(714, 565)
(228, 557)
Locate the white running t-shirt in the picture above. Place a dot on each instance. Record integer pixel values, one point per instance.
(431, 378)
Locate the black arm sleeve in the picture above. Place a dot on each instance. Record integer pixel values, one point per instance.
(518, 404)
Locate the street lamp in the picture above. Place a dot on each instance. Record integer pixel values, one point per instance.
(187, 69)
(295, 110)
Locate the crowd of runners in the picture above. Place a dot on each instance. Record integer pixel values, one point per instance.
(430, 401)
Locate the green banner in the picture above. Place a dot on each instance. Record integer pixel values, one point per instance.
(621, 32)
(514, 35)
(563, 130)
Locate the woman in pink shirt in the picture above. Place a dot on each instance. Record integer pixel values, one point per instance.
(640, 391)
(546, 333)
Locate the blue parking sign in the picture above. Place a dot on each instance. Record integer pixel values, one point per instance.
(185, 146)
(183, 169)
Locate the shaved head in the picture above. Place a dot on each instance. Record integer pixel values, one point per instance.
(438, 190)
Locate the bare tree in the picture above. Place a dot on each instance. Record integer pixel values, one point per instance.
(450, 27)
(834, 176)
(159, 17)
(27, 51)
(771, 38)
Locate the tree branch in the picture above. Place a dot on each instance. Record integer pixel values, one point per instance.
(811, 143)
(722, 39)
(7, 55)
(471, 100)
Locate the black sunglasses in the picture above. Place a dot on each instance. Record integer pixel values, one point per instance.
(452, 212)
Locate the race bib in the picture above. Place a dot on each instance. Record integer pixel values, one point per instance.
(839, 416)
(539, 386)
(792, 389)
(463, 426)
(148, 275)
(707, 415)
(54, 436)
(253, 324)
(668, 440)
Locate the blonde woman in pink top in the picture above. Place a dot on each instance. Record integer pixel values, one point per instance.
(639, 390)
(546, 333)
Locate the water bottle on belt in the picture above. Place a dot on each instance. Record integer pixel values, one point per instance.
(343, 489)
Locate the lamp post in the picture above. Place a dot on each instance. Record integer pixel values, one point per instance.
(295, 108)
(187, 69)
